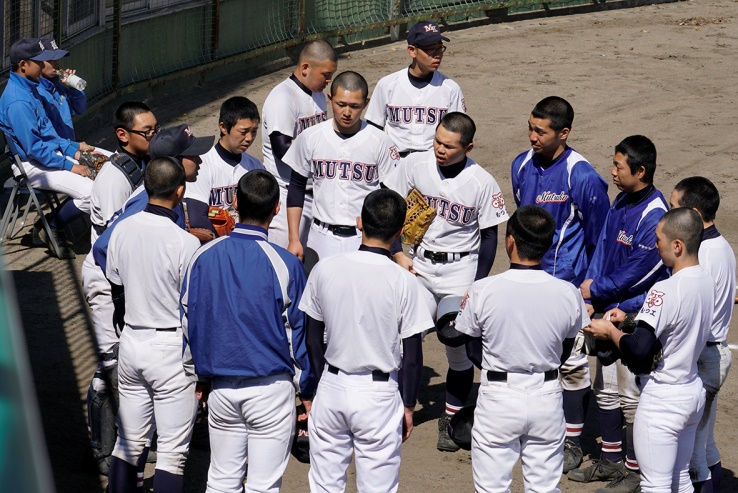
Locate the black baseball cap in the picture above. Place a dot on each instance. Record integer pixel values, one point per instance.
(30, 49)
(50, 45)
(425, 33)
(178, 141)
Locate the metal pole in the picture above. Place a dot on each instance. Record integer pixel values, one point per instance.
(117, 7)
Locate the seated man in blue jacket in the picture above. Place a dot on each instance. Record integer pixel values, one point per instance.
(49, 159)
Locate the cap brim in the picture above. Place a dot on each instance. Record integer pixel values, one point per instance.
(199, 146)
(45, 56)
(445, 39)
(59, 54)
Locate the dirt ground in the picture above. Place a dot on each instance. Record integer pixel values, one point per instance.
(666, 71)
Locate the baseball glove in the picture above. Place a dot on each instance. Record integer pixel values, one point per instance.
(94, 161)
(222, 220)
(202, 234)
(418, 218)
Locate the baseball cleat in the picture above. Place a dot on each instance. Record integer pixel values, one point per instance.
(625, 482)
(599, 470)
(573, 456)
(63, 251)
(445, 444)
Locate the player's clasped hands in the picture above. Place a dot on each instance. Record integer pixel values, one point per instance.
(600, 328)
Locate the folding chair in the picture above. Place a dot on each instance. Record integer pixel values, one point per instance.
(23, 196)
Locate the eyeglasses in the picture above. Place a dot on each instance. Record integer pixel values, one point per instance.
(147, 134)
(433, 50)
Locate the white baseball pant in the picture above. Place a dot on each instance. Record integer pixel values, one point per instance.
(614, 386)
(353, 413)
(663, 434)
(76, 186)
(443, 279)
(97, 291)
(250, 418)
(326, 244)
(575, 370)
(713, 366)
(278, 231)
(521, 418)
(153, 387)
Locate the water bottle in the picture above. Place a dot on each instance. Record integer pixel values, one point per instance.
(72, 80)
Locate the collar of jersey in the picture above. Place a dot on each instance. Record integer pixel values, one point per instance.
(377, 250)
(525, 267)
(250, 232)
(710, 233)
(562, 157)
(301, 85)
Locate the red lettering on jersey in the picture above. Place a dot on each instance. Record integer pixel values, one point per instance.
(395, 153)
(655, 298)
(463, 302)
(498, 201)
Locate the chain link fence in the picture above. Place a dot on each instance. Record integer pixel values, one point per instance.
(116, 43)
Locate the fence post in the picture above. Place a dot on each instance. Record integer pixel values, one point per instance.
(58, 20)
(394, 11)
(301, 20)
(216, 30)
(115, 58)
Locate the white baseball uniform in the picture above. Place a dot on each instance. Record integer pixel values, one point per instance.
(289, 109)
(217, 179)
(410, 115)
(464, 204)
(358, 406)
(680, 310)
(344, 171)
(714, 363)
(147, 255)
(519, 409)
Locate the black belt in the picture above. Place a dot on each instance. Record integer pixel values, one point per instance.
(437, 257)
(377, 376)
(111, 356)
(714, 343)
(337, 229)
(308, 191)
(501, 376)
(405, 154)
(167, 329)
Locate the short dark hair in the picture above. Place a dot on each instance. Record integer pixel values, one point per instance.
(683, 224)
(460, 123)
(556, 109)
(383, 214)
(14, 67)
(257, 195)
(237, 108)
(640, 151)
(163, 176)
(318, 51)
(350, 81)
(699, 193)
(533, 229)
(127, 112)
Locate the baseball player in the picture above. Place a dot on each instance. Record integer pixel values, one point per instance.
(292, 106)
(461, 242)
(147, 257)
(672, 328)
(225, 163)
(113, 185)
(237, 338)
(623, 268)
(61, 102)
(49, 159)
(346, 158)
(717, 257)
(519, 411)
(554, 176)
(410, 103)
(362, 405)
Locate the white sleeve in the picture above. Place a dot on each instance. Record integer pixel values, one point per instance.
(299, 154)
(189, 247)
(377, 110)
(389, 157)
(110, 191)
(399, 180)
(280, 113)
(457, 100)
(415, 317)
(655, 310)
(111, 266)
(310, 302)
(580, 318)
(467, 321)
(492, 209)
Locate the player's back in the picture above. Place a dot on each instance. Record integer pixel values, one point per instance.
(717, 256)
(526, 315)
(363, 297)
(148, 254)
